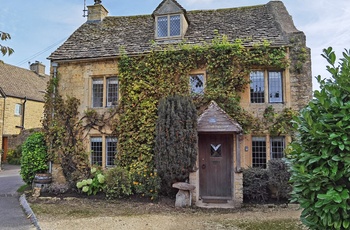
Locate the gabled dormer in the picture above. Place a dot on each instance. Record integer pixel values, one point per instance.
(170, 20)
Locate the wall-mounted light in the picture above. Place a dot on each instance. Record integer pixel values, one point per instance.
(246, 148)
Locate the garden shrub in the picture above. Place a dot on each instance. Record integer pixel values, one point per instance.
(34, 157)
(279, 179)
(255, 185)
(176, 140)
(14, 155)
(145, 180)
(118, 183)
(93, 185)
(320, 160)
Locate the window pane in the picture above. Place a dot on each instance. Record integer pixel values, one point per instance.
(18, 109)
(97, 92)
(112, 91)
(175, 25)
(197, 84)
(259, 152)
(96, 150)
(111, 150)
(275, 87)
(277, 147)
(162, 26)
(257, 87)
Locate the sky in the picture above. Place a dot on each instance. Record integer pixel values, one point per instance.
(38, 27)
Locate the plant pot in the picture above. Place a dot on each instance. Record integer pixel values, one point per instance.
(42, 178)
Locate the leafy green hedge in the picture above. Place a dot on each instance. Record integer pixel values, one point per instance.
(261, 185)
(34, 157)
(320, 156)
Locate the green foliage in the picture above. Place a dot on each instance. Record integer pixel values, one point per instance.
(176, 140)
(138, 178)
(34, 157)
(279, 175)
(255, 185)
(145, 180)
(14, 156)
(5, 49)
(64, 134)
(118, 183)
(260, 185)
(93, 185)
(146, 79)
(320, 162)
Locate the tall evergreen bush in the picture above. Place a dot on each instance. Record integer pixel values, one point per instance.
(176, 140)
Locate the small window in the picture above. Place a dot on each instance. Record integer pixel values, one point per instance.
(277, 147)
(111, 149)
(97, 92)
(168, 26)
(197, 84)
(104, 92)
(18, 109)
(275, 87)
(259, 152)
(96, 150)
(112, 91)
(258, 86)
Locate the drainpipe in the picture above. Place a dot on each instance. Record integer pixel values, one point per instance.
(23, 111)
(54, 66)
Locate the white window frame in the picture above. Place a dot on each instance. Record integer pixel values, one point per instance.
(18, 109)
(168, 26)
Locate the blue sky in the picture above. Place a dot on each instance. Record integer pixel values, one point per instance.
(38, 27)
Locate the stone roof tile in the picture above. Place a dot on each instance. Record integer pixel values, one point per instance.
(20, 83)
(134, 34)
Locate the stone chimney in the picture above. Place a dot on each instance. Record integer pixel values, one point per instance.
(38, 68)
(97, 12)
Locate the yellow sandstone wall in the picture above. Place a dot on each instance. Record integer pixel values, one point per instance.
(33, 114)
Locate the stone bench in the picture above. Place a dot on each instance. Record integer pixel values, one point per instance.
(183, 196)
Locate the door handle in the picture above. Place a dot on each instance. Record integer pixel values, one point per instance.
(203, 166)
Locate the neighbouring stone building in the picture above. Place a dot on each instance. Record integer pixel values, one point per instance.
(88, 67)
(21, 101)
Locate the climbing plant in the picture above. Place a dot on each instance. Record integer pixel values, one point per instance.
(145, 79)
(63, 131)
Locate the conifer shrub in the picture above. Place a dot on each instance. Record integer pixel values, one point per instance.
(176, 141)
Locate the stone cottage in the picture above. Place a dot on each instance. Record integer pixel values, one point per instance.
(87, 64)
(21, 100)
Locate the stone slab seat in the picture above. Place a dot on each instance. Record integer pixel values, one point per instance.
(183, 196)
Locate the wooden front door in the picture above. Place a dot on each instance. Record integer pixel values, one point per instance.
(215, 164)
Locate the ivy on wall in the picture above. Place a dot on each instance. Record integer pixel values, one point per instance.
(145, 79)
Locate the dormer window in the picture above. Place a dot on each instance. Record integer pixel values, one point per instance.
(168, 26)
(171, 22)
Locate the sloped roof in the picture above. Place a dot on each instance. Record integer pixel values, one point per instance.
(134, 34)
(215, 119)
(174, 6)
(20, 83)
